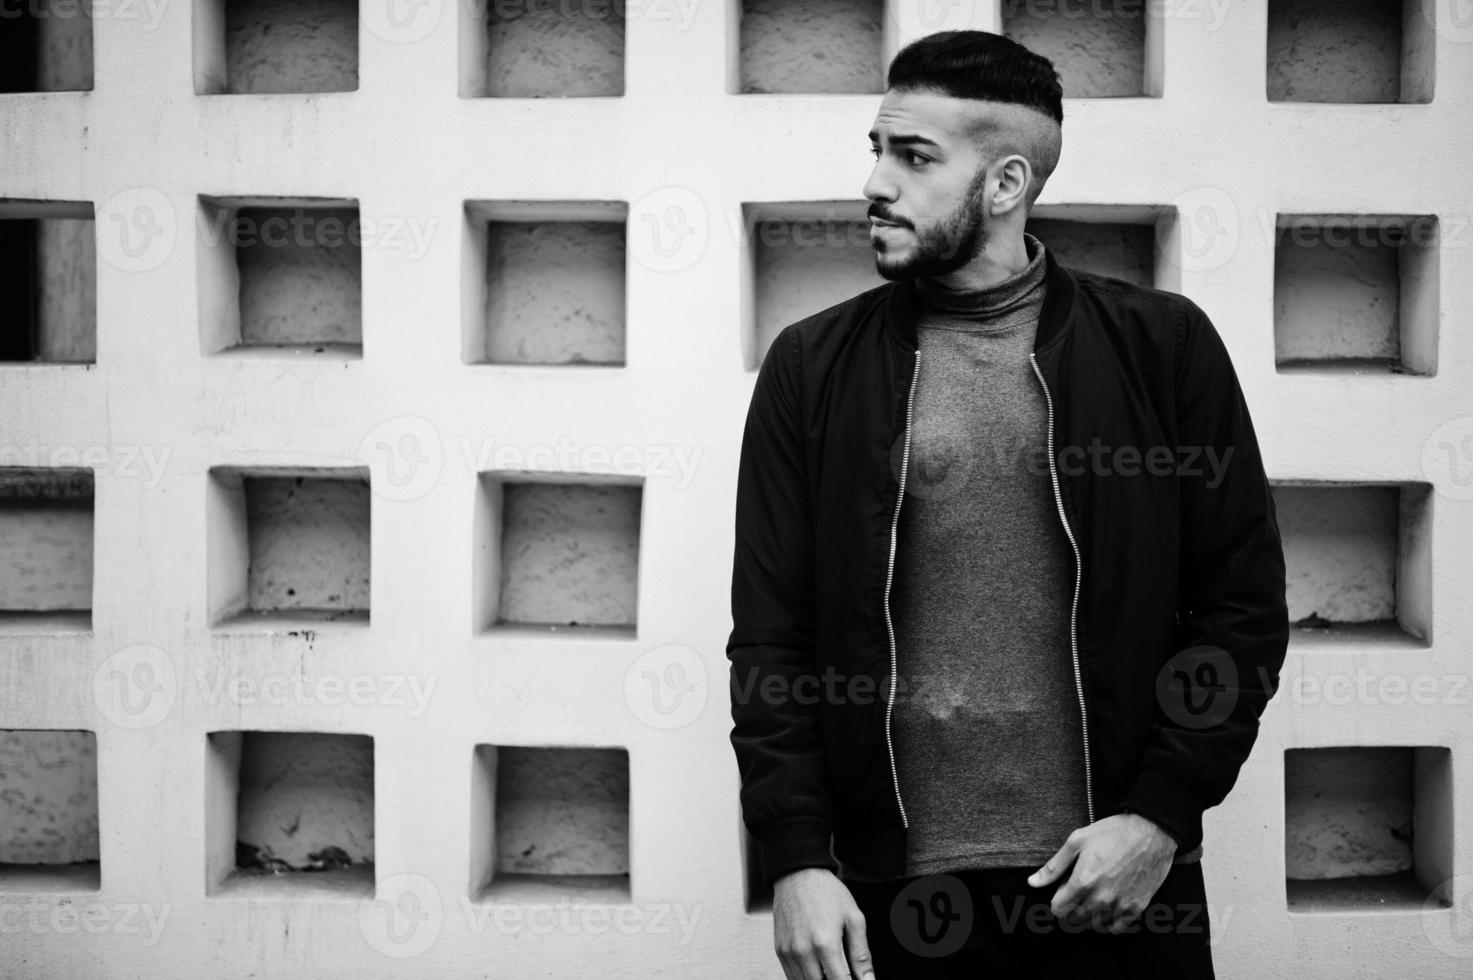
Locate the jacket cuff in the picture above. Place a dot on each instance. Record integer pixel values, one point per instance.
(1162, 798)
(794, 844)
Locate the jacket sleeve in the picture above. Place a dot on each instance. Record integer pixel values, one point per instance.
(776, 736)
(1232, 616)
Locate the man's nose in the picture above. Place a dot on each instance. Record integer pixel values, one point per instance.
(879, 186)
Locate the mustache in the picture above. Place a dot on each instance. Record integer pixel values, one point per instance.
(878, 210)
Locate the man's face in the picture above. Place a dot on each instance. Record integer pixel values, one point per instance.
(927, 191)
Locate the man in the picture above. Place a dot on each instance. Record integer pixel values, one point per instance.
(1008, 588)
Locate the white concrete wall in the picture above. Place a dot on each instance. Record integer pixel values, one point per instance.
(549, 417)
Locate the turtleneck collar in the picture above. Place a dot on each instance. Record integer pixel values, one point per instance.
(992, 301)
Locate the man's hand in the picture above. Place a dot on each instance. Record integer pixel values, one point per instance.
(815, 922)
(1119, 862)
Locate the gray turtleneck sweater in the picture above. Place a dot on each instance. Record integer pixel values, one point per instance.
(987, 733)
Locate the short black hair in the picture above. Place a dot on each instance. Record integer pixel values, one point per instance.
(979, 65)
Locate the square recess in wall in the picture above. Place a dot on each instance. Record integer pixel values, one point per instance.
(798, 258)
(758, 891)
(538, 50)
(806, 46)
(557, 554)
(549, 823)
(280, 276)
(1351, 51)
(261, 47)
(1101, 48)
(1359, 560)
(1367, 827)
(46, 549)
(48, 790)
(1119, 241)
(544, 283)
(1356, 293)
(288, 548)
(48, 277)
(46, 46)
(289, 815)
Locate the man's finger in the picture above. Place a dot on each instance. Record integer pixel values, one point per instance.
(856, 943)
(834, 967)
(1056, 865)
(792, 969)
(1071, 896)
(808, 966)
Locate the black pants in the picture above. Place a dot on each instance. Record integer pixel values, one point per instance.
(992, 923)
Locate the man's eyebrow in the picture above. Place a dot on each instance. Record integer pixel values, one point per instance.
(905, 139)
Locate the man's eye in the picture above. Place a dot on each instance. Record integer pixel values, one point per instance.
(874, 151)
(915, 159)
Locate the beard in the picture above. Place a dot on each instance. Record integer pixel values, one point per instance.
(939, 248)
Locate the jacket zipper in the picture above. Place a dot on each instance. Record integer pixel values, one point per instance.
(889, 577)
(1089, 800)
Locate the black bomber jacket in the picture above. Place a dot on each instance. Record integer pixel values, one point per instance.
(1178, 621)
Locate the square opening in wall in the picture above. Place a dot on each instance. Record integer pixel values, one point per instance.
(281, 276)
(1367, 827)
(48, 271)
(261, 47)
(1359, 560)
(46, 549)
(48, 797)
(1356, 293)
(1351, 51)
(289, 815)
(1101, 48)
(800, 257)
(550, 823)
(1107, 240)
(557, 556)
(807, 46)
(545, 283)
(541, 50)
(46, 46)
(759, 892)
(288, 547)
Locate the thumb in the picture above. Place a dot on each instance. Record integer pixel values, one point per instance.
(1055, 867)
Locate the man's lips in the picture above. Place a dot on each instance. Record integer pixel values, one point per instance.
(882, 223)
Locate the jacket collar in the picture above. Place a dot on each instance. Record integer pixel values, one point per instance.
(1054, 322)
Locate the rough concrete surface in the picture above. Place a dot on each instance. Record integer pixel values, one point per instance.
(562, 811)
(1097, 46)
(555, 292)
(309, 543)
(303, 791)
(48, 797)
(570, 554)
(811, 46)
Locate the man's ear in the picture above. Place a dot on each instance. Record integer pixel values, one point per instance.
(1014, 176)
